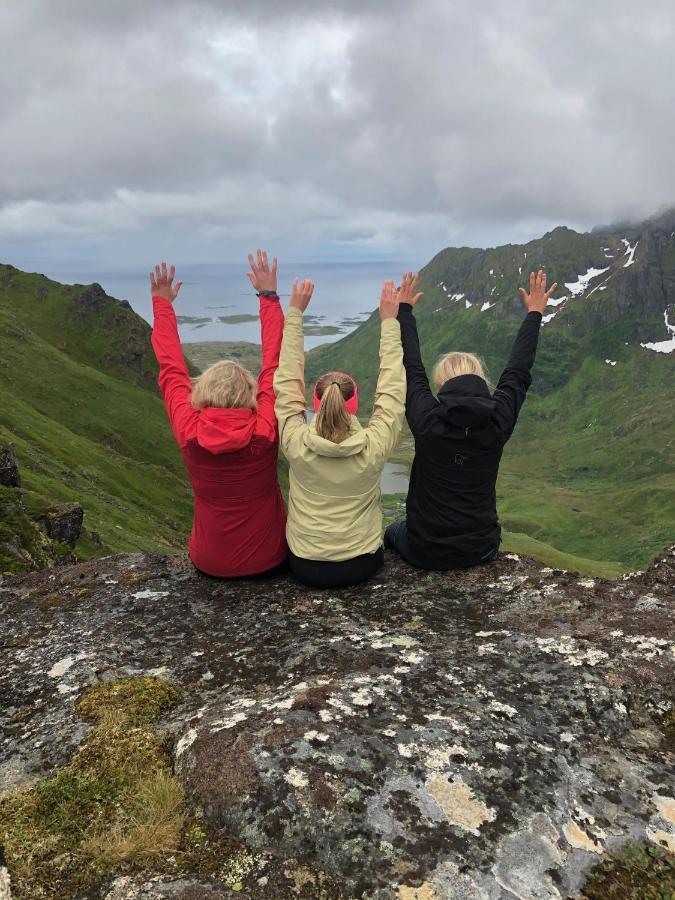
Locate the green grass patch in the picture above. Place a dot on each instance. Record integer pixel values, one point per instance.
(115, 806)
(513, 542)
(636, 872)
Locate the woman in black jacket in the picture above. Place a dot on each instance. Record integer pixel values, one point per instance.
(451, 509)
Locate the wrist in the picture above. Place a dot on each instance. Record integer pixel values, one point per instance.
(267, 293)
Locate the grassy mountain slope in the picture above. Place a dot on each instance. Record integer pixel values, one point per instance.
(588, 472)
(74, 402)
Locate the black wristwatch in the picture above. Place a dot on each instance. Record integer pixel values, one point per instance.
(266, 294)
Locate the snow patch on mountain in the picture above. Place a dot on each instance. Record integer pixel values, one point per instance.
(630, 252)
(487, 305)
(576, 288)
(663, 346)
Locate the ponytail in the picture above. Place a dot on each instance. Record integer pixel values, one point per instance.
(332, 419)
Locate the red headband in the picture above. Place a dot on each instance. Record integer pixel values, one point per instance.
(352, 404)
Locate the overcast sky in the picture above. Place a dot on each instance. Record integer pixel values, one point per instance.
(194, 130)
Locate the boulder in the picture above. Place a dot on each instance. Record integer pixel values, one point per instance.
(483, 734)
(9, 469)
(64, 523)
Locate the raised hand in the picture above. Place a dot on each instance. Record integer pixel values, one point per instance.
(161, 283)
(538, 296)
(301, 293)
(261, 276)
(389, 301)
(406, 293)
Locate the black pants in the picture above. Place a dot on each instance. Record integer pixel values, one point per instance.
(326, 574)
(396, 538)
(279, 569)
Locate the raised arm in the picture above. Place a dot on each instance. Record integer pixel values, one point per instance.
(419, 400)
(289, 381)
(515, 380)
(263, 277)
(174, 379)
(385, 423)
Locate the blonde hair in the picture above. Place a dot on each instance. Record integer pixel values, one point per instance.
(332, 419)
(457, 363)
(225, 384)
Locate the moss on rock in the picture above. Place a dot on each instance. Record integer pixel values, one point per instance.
(140, 700)
(116, 804)
(636, 872)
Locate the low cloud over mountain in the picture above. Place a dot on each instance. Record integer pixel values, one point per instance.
(210, 124)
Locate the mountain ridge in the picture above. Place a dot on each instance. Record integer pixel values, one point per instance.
(593, 435)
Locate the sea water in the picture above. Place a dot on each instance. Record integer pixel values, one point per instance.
(217, 302)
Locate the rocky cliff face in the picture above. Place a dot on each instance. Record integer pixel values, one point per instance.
(32, 538)
(486, 734)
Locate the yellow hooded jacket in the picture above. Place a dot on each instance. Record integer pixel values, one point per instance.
(334, 499)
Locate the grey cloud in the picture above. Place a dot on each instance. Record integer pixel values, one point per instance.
(381, 121)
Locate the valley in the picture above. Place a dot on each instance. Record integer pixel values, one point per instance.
(586, 481)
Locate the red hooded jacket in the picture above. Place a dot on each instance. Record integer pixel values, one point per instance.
(230, 454)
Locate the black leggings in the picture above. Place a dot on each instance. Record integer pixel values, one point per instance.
(396, 538)
(279, 569)
(326, 574)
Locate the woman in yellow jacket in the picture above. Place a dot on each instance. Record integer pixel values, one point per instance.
(334, 527)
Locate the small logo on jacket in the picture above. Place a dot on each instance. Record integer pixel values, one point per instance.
(459, 459)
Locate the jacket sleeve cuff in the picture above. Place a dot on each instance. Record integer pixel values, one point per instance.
(269, 299)
(405, 311)
(534, 316)
(161, 303)
(294, 313)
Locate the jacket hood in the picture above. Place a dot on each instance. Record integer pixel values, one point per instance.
(225, 430)
(352, 444)
(466, 401)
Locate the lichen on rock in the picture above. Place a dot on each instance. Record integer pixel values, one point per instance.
(506, 745)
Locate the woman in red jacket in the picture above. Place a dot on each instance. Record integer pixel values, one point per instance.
(227, 431)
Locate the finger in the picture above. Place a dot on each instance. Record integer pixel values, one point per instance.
(415, 280)
(158, 273)
(251, 262)
(543, 282)
(164, 270)
(251, 278)
(523, 294)
(260, 259)
(172, 273)
(153, 283)
(532, 282)
(551, 290)
(416, 297)
(274, 265)
(295, 284)
(178, 285)
(264, 255)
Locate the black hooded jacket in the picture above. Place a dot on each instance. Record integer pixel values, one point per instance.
(459, 438)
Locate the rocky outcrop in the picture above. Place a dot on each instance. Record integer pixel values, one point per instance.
(30, 538)
(483, 734)
(9, 469)
(64, 523)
